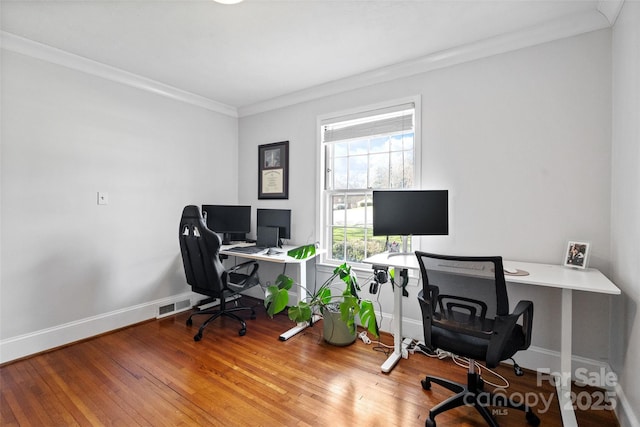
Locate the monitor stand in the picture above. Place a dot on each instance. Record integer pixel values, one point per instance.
(405, 248)
(230, 238)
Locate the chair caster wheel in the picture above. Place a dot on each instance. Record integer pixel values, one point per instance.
(426, 384)
(189, 322)
(197, 337)
(430, 423)
(532, 419)
(253, 316)
(242, 332)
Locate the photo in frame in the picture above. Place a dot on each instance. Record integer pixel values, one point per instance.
(273, 170)
(576, 255)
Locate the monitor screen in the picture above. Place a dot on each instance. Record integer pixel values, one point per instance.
(410, 212)
(227, 219)
(280, 218)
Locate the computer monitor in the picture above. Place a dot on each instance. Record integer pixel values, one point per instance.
(280, 218)
(232, 221)
(410, 213)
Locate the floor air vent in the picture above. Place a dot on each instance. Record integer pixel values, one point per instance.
(181, 305)
(173, 308)
(165, 309)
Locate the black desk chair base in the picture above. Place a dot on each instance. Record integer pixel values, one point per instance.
(473, 394)
(214, 313)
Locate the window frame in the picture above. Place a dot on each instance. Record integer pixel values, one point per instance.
(322, 155)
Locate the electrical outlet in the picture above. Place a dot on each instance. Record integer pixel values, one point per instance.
(103, 198)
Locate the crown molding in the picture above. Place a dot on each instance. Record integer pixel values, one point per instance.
(47, 53)
(553, 30)
(610, 9)
(602, 17)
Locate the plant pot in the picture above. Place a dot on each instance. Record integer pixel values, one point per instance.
(335, 331)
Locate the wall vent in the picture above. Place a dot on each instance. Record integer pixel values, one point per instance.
(173, 308)
(165, 309)
(181, 305)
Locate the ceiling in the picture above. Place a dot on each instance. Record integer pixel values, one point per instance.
(246, 54)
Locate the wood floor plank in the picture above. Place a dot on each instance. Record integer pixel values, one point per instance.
(155, 374)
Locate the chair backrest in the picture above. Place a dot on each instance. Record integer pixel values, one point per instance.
(479, 278)
(200, 248)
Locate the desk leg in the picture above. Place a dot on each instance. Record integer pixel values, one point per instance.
(563, 383)
(297, 329)
(393, 359)
(302, 294)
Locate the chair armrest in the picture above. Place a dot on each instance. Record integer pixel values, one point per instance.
(502, 329)
(525, 309)
(245, 264)
(427, 313)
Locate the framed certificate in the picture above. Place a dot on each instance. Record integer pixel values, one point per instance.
(273, 170)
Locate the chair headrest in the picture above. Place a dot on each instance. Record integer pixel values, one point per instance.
(191, 211)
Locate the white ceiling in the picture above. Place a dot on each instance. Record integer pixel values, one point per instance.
(246, 54)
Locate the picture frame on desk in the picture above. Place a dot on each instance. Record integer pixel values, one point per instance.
(577, 254)
(273, 170)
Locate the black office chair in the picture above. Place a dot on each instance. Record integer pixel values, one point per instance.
(461, 325)
(200, 248)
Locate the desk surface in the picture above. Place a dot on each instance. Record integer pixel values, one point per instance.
(278, 258)
(554, 276)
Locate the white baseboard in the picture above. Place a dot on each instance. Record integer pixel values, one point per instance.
(56, 336)
(534, 358)
(624, 411)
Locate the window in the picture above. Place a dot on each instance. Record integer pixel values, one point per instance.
(365, 151)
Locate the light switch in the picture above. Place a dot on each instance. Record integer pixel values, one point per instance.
(103, 198)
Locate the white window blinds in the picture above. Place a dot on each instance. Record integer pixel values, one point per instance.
(398, 118)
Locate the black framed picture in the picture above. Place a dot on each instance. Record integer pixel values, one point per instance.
(273, 170)
(576, 255)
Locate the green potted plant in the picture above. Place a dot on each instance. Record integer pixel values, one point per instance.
(337, 309)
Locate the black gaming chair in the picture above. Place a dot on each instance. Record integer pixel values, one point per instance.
(461, 325)
(200, 248)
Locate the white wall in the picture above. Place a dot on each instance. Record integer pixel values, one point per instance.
(522, 142)
(625, 208)
(67, 135)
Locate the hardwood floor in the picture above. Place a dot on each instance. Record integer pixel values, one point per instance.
(154, 374)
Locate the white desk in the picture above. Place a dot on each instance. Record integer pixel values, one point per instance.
(569, 280)
(402, 262)
(281, 258)
(553, 276)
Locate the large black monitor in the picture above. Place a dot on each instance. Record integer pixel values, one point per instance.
(410, 212)
(280, 218)
(232, 221)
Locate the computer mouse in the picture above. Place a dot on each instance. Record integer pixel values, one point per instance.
(273, 251)
(510, 270)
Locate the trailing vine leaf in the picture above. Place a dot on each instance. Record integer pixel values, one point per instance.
(348, 309)
(302, 252)
(300, 313)
(324, 295)
(275, 300)
(368, 317)
(284, 282)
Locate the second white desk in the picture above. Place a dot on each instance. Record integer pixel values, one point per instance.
(554, 276)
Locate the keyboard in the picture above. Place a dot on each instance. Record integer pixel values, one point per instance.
(248, 250)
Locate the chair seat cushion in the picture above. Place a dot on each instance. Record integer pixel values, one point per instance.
(472, 346)
(237, 281)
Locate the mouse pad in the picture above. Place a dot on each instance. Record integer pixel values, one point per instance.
(517, 273)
